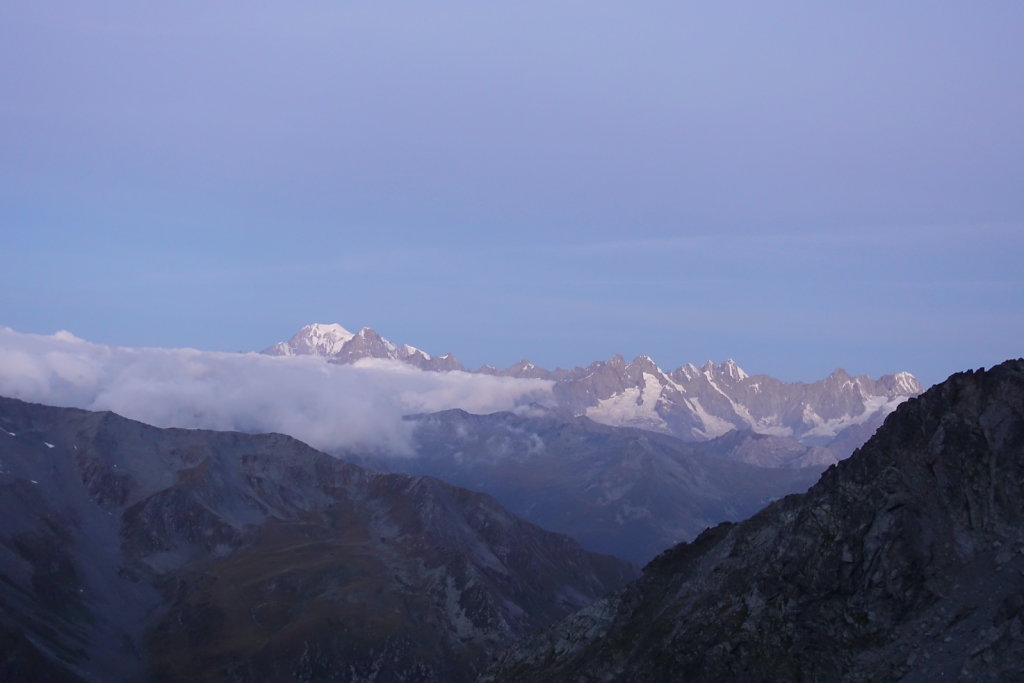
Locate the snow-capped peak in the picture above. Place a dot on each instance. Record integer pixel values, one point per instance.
(733, 370)
(646, 363)
(317, 339)
(409, 350)
(906, 383)
(326, 329)
(728, 368)
(689, 371)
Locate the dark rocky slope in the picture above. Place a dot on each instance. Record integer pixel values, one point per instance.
(129, 552)
(905, 562)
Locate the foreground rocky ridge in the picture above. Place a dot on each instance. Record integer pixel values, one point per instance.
(839, 412)
(905, 562)
(129, 552)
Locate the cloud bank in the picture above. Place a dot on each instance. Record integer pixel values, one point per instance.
(331, 407)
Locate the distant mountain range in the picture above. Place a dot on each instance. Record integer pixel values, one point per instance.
(903, 563)
(129, 552)
(618, 490)
(839, 412)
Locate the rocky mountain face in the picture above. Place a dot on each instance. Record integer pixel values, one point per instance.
(695, 404)
(702, 403)
(129, 552)
(904, 562)
(767, 451)
(617, 490)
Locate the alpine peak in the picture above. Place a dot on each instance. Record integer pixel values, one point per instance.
(646, 362)
(732, 370)
(316, 339)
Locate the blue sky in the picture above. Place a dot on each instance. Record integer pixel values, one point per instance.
(798, 186)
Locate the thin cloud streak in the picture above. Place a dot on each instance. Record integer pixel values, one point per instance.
(882, 236)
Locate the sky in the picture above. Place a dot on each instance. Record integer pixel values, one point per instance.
(799, 186)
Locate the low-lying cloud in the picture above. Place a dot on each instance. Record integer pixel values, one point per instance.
(331, 407)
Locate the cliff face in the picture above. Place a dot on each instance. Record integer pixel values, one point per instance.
(907, 560)
(129, 552)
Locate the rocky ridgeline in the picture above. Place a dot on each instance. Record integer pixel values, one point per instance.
(905, 562)
(129, 552)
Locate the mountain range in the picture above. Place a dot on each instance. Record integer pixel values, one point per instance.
(129, 552)
(904, 562)
(693, 403)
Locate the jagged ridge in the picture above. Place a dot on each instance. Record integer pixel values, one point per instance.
(691, 403)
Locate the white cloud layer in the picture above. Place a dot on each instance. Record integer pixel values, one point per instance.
(328, 406)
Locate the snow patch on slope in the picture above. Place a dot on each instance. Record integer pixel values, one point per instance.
(633, 407)
(713, 426)
(829, 428)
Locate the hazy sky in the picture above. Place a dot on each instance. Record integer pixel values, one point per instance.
(798, 186)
